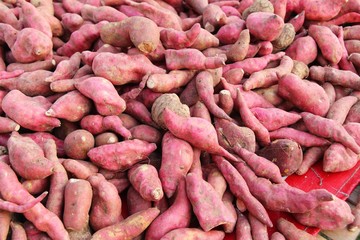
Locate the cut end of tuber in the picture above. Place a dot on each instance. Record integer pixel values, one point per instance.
(50, 113)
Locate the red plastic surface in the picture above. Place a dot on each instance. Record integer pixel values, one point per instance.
(340, 184)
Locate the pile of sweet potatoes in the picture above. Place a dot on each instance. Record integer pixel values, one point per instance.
(172, 119)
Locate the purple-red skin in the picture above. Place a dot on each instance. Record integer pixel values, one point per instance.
(268, 77)
(29, 67)
(77, 203)
(106, 203)
(27, 158)
(260, 165)
(291, 232)
(178, 215)
(329, 215)
(197, 131)
(72, 106)
(206, 203)
(205, 90)
(172, 38)
(122, 155)
(191, 58)
(130, 227)
(304, 94)
(240, 189)
(259, 24)
(145, 179)
(41, 217)
(340, 108)
(80, 40)
(297, 52)
(80, 169)
(230, 134)
(28, 83)
(103, 93)
(275, 118)
(292, 199)
(329, 128)
(311, 156)
(305, 139)
(139, 111)
(102, 13)
(328, 43)
(251, 65)
(261, 133)
(120, 68)
(135, 202)
(177, 158)
(29, 112)
(338, 158)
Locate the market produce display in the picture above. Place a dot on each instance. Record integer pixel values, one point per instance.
(178, 119)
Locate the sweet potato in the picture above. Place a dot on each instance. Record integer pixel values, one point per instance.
(331, 48)
(211, 212)
(292, 199)
(213, 17)
(291, 232)
(102, 13)
(353, 114)
(22, 45)
(335, 76)
(355, 224)
(250, 65)
(121, 68)
(258, 229)
(80, 169)
(296, 50)
(330, 129)
(77, 202)
(78, 143)
(161, 16)
(8, 17)
(285, 153)
(131, 151)
(305, 139)
(71, 21)
(66, 68)
(81, 39)
(166, 82)
(177, 158)
(27, 158)
(36, 186)
(145, 179)
(328, 215)
(250, 120)
(172, 38)
(115, 124)
(304, 94)
(269, 76)
(49, 223)
(204, 137)
(106, 203)
(338, 158)
(29, 67)
(58, 180)
(130, 227)
(135, 202)
(103, 93)
(257, 21)
(285, 38)
(180, 59)
(275, 118)
(231, 134)
(217, 181)
(23, 110)
(72, 106)
(311, 156)
(17, 231)
(141, 32)
(258, 6)
(171, 218)
(243, 229)
(240, 190)
(261, 166)
(230, 32)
